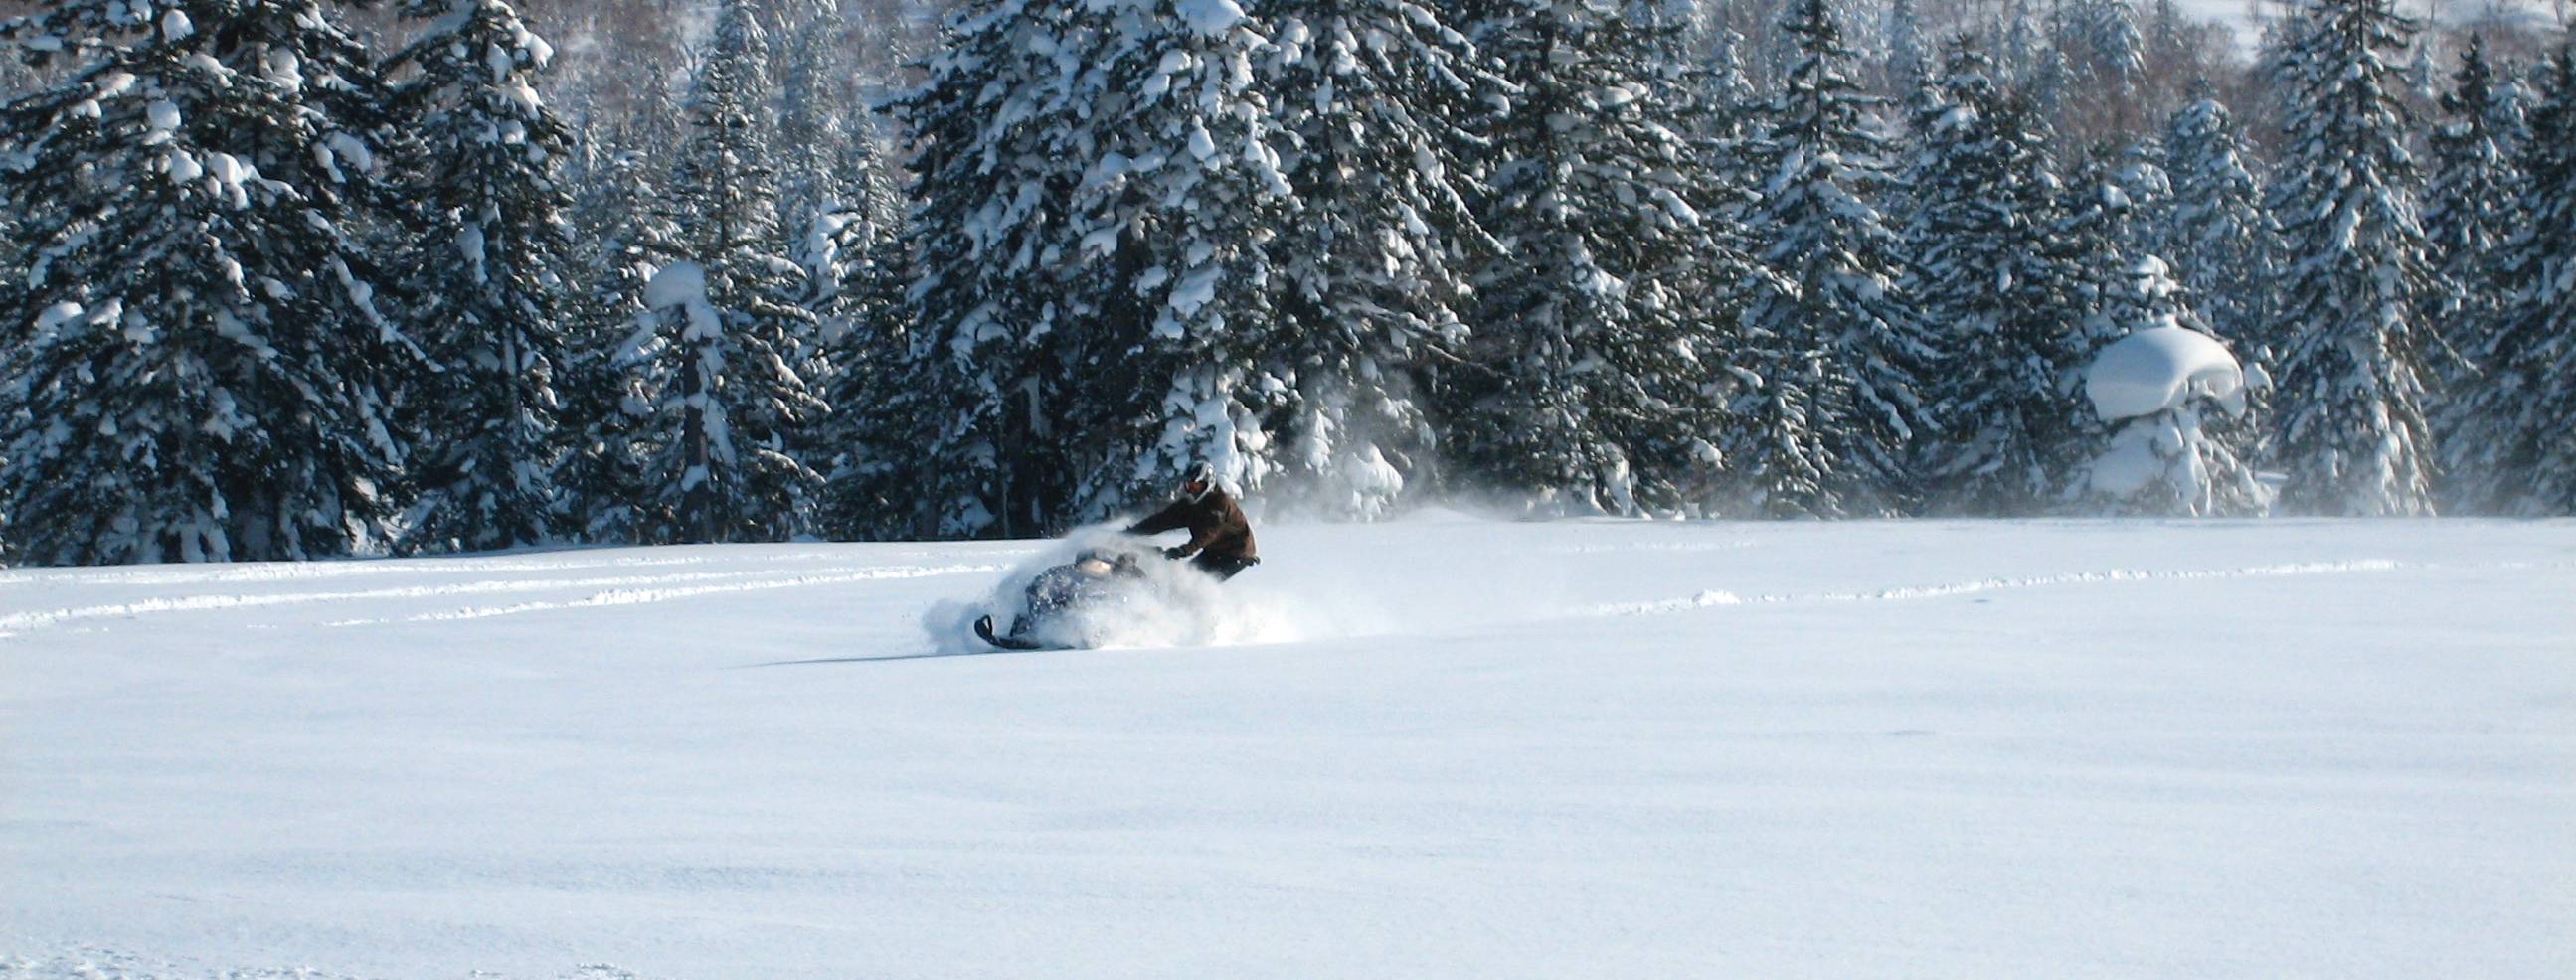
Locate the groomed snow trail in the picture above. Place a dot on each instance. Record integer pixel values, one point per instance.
(1476, 749)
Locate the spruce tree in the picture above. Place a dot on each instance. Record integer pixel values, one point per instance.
(606, 406)
(1728, 104)
(866, 448)
(815, 103)
(719, 351)
(208, 376)
(1094, 307)
(2214, 233)
(2518, 409)
(1603, 366)
(2098, 241)
(1987, 271)
(988, 240)
(2219, 249)
(2103, 54)
(1372, 99)
(1909, 60)
(2468, 210)
(489, 277)
(16, 81)
(1837, 359)
(2353, 437)
(1171, 361)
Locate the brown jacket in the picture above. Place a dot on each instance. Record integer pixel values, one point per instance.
(1217, 526)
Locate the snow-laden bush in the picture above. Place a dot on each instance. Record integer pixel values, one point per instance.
(2155, 388)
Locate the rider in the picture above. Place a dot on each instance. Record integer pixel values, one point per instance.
(1220, 541)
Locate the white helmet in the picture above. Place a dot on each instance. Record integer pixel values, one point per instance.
(1198, 482)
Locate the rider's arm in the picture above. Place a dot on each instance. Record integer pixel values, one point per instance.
(1228, 517)
(1199, 540)
(1174, 516)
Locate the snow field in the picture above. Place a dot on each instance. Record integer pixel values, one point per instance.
(2067, 749)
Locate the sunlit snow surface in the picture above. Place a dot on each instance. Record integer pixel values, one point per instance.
(1483, 750)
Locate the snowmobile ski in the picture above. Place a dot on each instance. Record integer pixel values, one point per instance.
(984, 632)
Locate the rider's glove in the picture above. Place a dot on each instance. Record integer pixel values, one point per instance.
(1177, 552)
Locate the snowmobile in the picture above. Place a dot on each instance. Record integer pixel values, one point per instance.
(1058, 601)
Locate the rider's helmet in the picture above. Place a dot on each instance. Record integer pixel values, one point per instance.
(1198, 481)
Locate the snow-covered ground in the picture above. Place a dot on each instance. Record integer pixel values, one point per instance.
(1465, 749)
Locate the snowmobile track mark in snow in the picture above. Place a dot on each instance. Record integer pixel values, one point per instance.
(16, 622)
(631, 597)
(1714, 598)
(343, 568)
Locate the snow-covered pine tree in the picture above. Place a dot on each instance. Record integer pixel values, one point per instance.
(815, 100)
(1909, 60)
(866, 447)
(999, 114)
(2103, 58)
(489, 280)
(1170, 362)
(1717, 112)
(1838, 360)
(2140, 176)
(2214, 233)
(1987, 273)
(1374, 101)
(605, 404)
(618, 162)
(2520, 404)
(2105, 48)
(2178, 55)
(719, 347)
(1093, 306)
(208, 376)
(2220, 249)
(2099, 247)
(16, 81)
(2153, 385)
(2353, 438)
(2097, 238)
(1727, 100)
(2019, 41)
(2468, 211)
(621, 240)
(1602, 360)
(851, 247)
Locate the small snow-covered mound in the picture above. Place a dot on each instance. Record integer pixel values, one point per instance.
(1166, 603)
